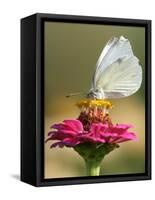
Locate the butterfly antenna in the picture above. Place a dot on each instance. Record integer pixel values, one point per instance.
(73, 94)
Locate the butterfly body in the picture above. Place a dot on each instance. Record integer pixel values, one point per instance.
(96, 93)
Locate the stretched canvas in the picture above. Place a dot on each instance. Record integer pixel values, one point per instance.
(87, 95)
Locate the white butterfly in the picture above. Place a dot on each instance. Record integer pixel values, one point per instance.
(118, 73)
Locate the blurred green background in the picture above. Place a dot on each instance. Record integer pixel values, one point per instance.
(71, 52)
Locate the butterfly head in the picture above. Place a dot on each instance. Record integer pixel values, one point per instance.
(97, 93)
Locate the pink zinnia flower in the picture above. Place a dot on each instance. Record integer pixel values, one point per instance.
(71, 133)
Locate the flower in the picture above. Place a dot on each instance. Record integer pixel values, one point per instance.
(72, 132)
(92, 126)
(92, 135)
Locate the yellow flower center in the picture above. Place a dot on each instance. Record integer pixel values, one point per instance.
(94, 103)
(94, 111)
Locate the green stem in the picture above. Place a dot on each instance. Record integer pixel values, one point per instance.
(93, 154)
(92, 169)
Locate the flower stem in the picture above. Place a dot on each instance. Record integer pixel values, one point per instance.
(93, 155)
(92, 169)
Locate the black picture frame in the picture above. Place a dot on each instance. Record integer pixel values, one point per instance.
(32, 99)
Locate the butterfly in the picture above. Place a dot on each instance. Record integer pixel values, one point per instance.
(118, 73)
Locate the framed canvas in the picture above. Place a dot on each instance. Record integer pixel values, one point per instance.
(85, 99)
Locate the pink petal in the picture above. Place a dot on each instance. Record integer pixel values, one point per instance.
(75, 125)
(124, 126)
(70, 141)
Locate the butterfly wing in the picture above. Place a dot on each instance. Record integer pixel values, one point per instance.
(118, 72)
